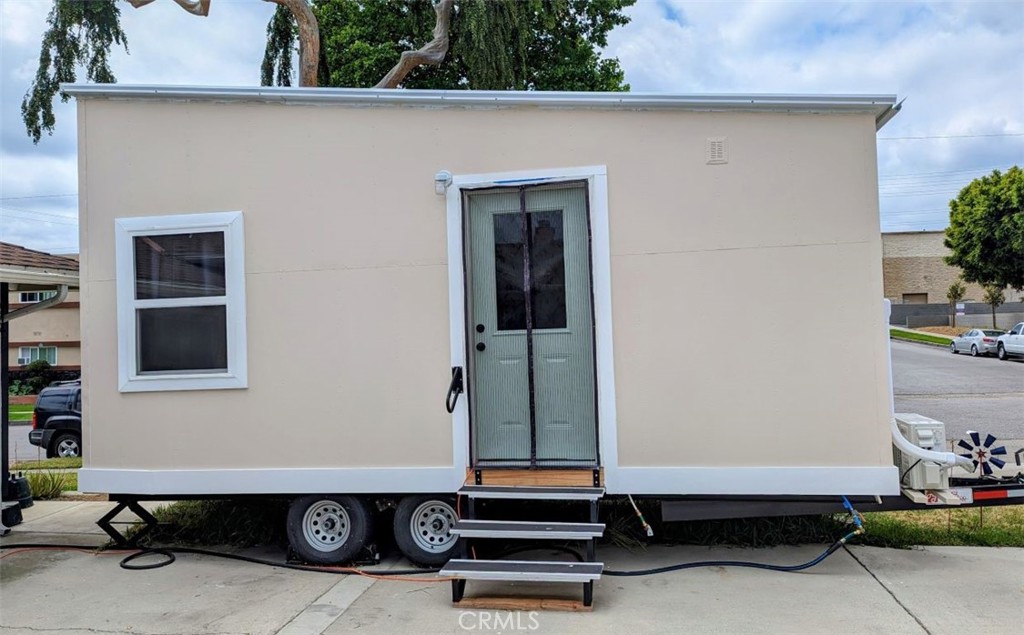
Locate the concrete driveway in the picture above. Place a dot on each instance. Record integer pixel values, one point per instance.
(864, 590)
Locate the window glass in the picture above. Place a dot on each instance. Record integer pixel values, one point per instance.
(78, 401)
(36, 353)
(192, 339)
(508, 271)
(52, 400)
(547, 270)
(179, 266)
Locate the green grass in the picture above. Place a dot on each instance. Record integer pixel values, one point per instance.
(21, 412)
(974, 527)
(46, 484)
(919, 337)
(59, 463)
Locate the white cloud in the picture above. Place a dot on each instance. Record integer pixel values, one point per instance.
(960, 66)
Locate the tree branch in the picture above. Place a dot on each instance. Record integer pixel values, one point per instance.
(195, 7)
(309, 39)
(433, 53)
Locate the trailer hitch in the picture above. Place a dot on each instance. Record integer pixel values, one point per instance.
(454, 389)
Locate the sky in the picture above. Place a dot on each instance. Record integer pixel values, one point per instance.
(959, 65)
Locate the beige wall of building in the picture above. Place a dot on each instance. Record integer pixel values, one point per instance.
(347, 289)
(913, 269)
(58, 326)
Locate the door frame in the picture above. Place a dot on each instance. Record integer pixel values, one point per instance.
(596, 178)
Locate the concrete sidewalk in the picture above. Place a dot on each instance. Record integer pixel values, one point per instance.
(866, 590)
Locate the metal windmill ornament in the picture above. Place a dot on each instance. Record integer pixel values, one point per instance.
(982, 453)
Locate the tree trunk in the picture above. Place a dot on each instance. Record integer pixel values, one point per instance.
(994, 316)
(952, 313)
(309, 39)
(432, 53)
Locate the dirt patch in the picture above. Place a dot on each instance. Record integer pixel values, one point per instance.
(949, 331)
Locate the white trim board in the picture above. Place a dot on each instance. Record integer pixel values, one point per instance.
(757, 481)
(396, 480)
(597, 183)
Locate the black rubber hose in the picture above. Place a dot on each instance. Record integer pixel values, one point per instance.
(732, 563)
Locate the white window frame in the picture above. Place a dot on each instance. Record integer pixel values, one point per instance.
(24, 352)
(39, 296)
(126, 230)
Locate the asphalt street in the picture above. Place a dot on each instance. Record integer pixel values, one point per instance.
(964, 392)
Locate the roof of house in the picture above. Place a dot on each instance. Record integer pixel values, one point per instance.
(31, 268)
(883, 107)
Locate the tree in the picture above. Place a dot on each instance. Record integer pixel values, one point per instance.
(500, 44)
(956, 292)
(993, 297)
(986, 230)
(495, 44)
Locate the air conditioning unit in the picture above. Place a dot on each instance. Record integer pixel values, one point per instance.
(24, 361)
(928, 434)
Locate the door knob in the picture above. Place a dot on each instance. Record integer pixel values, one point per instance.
(481, 346)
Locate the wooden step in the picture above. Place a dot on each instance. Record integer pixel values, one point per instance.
(527, 530)
(526, 570)
(523, 604)
(545, 477)
(532, 493)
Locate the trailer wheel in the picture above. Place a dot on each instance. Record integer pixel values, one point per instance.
(423, 526)
(326, 529)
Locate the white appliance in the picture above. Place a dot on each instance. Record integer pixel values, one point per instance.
(928, 434)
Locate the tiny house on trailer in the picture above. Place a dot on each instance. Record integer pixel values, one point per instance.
(656, 295)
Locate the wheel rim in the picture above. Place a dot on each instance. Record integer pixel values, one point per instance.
(952, 347)
(326, 526)
(431, 526)
(974, 351)
(67, 448)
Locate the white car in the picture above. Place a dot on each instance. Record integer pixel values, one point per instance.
(977, 341)
(1012, 343)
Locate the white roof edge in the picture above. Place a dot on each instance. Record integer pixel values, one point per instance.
(37, 277)
(879, 105)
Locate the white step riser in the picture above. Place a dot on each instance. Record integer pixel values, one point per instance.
(526, 535)
(523, 577)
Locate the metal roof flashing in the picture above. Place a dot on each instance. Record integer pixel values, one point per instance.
(883, 107)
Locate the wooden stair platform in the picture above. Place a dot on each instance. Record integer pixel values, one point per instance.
(567, 477)
(523, 604)
(588, 494)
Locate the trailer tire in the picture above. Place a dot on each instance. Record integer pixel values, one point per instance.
(328, 529)
(423, 529)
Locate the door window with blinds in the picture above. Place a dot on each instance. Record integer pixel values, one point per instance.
(181, 302)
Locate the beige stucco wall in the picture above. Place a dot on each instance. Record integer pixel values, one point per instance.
(913, 262)
(346, 274)
(56, 326)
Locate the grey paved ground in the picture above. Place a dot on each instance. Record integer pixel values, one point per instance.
(935, 590)
(964, 392)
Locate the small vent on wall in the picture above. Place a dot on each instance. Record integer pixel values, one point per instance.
(716, 150)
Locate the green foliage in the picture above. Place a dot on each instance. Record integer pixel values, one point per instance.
(977, 527)
(241, 523)
(986, 230)
(18, 388)
(956, 292)
(994, 297)
(494, 44)
(47, 484)
(277, 59)
(79, 33)
(39, 374)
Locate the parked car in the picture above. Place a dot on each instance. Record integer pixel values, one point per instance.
(57, 420)
(977, 341)
(1012, 343)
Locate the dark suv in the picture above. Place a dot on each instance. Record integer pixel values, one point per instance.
(57, 420)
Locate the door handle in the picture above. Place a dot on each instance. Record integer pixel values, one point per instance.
(455, 389)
